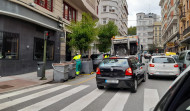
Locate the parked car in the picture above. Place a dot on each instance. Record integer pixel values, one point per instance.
(177, 98)
(163, 66)
(120, 72)
(184, 59)
(98, 60)
(147, 56)
(94, 56)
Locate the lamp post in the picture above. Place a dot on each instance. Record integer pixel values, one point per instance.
(46, 36)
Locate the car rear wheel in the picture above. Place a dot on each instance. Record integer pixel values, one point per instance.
(100, 87)
(144, 79)
(134, 87)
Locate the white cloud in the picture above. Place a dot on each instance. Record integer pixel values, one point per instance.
(146, 6)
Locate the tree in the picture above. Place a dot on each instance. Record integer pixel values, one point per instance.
(83, 33)
(132, 31)
(153, 48)
(106, 32)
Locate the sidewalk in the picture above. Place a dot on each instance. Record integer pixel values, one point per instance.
(11, 83)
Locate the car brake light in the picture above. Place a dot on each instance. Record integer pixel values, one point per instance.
(129, 72)
(176, 65)
(184, 66)
(151, 65)
(141, 67)
(98, 71)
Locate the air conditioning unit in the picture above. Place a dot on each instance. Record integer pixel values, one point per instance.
(32, 4)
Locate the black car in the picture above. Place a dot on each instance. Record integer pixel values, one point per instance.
(177, 98)
(120, 72)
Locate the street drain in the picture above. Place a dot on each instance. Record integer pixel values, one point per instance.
(5, 86)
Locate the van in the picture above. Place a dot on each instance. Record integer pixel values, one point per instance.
(184, 59)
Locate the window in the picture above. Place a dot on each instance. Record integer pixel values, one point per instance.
(69, 13)
(39, 49)
(187, 23)
(111, 9)
(187, 4)
(104, 21)
(9, 45)
(110, 19)
(104, 8)
(163, 60)
(47, 4)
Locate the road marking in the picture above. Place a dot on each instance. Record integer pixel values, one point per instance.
(24, 91)
(84, 81)
(151, 98)
(29, 97)
(84, 101)
(40, 105)
(118, 102)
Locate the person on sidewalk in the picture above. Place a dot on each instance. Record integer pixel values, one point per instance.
(77, 58)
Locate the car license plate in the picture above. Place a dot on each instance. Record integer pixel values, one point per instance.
(112, 81)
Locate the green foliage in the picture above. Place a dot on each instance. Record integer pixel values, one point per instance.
(83, 33)
(152, 48)
(132, 31)
(106, 32)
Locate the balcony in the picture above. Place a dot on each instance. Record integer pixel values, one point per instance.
(180, 4)
(182, 17)
(186, 32)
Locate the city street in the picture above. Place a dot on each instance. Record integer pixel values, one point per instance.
(82, 94)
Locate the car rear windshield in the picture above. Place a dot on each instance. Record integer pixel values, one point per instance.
(163, 60)
(114, 62)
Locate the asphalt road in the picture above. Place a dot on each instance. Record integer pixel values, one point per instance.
(81, 94)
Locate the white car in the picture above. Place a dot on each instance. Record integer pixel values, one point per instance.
(163, 66)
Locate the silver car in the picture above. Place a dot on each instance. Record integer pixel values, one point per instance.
(163, 66)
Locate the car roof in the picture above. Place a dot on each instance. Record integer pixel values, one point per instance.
(122, 57)
(161, 56)
(185, 51)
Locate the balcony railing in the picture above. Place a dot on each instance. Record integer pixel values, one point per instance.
(186, 31)
(182, 16)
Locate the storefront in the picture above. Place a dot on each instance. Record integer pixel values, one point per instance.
(185, 44)
(21, 46)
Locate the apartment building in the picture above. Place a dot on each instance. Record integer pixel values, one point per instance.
(145, 26)
(170, 24)
(157, 34)
(184, 29)
(22, 26)
(114, 10)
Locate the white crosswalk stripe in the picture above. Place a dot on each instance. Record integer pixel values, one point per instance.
(118, 102)
(151, 98)
(40, 105)
(115, 102)
(29, 97)
(84, 101)
(24, 91)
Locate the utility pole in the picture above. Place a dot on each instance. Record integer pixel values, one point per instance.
(46, 36)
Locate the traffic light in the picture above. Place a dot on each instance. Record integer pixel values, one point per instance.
(46, 35)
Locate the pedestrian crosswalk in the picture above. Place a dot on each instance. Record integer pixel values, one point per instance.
(116, 102)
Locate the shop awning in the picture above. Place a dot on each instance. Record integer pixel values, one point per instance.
(186, 40)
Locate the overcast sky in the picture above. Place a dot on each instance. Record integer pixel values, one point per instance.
(146, 6)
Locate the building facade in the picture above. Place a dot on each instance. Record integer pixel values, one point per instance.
(170, 24)
(157, 34)
(114, 10)
(22, 26)
(145, 26)
(184, 25)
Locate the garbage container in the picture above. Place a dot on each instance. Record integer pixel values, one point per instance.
(72, 70)
(61, 72)
(40, 68)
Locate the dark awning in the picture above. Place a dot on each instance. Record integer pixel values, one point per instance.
(186, 40)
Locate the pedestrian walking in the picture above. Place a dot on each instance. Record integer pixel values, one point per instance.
(77, 58)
